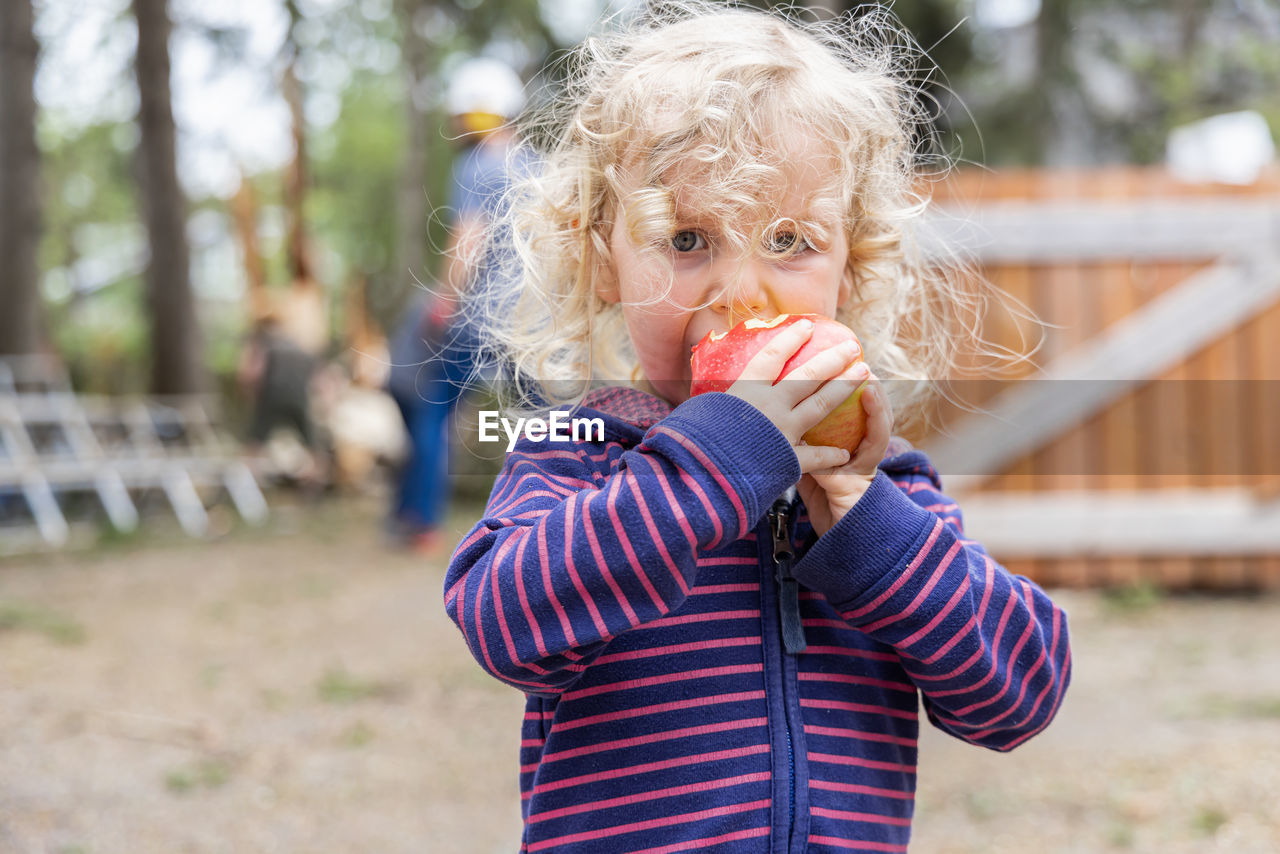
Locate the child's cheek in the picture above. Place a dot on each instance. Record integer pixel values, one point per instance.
(661, 355)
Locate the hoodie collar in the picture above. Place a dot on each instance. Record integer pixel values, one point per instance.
(637, 408)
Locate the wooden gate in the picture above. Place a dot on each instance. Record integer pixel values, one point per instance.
(1145, 445)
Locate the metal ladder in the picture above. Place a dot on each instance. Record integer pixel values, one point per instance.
(54, 442)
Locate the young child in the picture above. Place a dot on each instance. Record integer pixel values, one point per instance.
(709, 664)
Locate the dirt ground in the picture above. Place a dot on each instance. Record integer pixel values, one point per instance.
(300, 689)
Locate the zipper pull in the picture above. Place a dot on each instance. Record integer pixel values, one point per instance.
(781, 522)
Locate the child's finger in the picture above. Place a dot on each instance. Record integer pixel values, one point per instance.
(834, 392)
(820, 457)
(879, 427)
(767, 364)
(827, 367)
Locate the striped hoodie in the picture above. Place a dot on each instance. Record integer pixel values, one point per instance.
(629, 588)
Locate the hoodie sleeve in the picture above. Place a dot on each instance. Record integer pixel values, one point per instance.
(573, 550)
(988, 650)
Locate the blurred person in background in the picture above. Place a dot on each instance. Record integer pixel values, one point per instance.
(275, 374)
(434, 352)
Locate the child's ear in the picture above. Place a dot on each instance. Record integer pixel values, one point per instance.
(606, 283)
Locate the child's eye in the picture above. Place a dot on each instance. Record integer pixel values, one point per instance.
(688, 241)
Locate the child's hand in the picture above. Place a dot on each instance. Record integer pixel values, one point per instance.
(831, 493)
(807, 394)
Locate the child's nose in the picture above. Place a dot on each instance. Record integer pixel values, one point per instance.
(750, 292)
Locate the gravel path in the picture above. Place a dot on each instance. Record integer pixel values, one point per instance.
(301, 690)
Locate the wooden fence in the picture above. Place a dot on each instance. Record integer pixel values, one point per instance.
(1145, 444)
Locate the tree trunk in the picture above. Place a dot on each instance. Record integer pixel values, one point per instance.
(20, 207)
(176, 366)
(295, 179)
(244, 213)
(1057, 112)
(411, 208)
(295, 182)
(301, 309)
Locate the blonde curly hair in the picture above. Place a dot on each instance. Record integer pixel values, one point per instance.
(717, 89)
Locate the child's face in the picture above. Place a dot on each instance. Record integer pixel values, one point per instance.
(714, 288)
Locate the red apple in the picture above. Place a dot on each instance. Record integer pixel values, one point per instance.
(720, 357)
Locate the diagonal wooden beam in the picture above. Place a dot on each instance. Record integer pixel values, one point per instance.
(1129, 353)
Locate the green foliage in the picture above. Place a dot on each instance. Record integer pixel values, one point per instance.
(1208, 76)
(87, 179)
(357, 161)
(1208, 819)
(103, 338)
(357, 735)
(1121, 833)
(57, 627)
(355, 169)
(339, 686)
(1114, 75)
(92, 281)
(1266, 707)
(998, 96)
(201, 774)
(1137, 598)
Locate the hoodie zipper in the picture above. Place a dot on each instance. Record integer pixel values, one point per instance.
(781, 518)
(781, 524)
